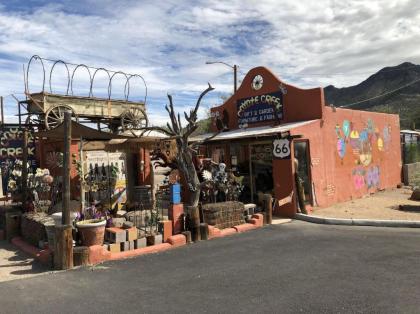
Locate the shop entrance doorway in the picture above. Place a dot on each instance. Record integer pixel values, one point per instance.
(253, 162)
(261, 159)
(301, 153)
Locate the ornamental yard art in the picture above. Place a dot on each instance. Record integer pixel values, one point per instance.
(11, 141)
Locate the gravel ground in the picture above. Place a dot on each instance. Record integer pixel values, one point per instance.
(381, 205)
(15, 264)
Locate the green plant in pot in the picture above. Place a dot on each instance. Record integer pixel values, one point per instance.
(92, 228)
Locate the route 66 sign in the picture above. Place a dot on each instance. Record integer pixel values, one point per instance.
(281, 148)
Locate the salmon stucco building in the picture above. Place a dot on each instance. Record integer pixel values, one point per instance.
(274, 130)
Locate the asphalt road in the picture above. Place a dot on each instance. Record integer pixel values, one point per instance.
(293, 268)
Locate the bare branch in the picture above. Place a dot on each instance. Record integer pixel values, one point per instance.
(179, 121)
(170, 128)
(191, 128)
(193, 114)
(171, 112)
(187, 117)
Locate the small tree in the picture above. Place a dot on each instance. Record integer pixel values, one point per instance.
(184, 157)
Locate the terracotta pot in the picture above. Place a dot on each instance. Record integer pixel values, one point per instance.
(57, 217)
(91, 231)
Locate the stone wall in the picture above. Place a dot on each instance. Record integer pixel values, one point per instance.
(223, 215)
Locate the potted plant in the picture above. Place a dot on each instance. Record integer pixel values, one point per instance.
(92, 225)
(57, 217)
(91, 231)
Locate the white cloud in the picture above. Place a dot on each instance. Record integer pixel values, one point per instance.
(307, 43)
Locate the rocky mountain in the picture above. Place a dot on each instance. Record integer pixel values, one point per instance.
(399, 84)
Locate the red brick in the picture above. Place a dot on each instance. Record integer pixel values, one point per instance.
(257, 220)
(214, 232)
(44, 256)
(176, 213)
(244, 227)
(228, 231)
(177, 240)
(167, 229)
(97, 254)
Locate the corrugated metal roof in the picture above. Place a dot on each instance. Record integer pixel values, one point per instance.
(252, 132)
(150, 133)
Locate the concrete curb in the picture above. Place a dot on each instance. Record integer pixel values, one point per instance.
(359, 222)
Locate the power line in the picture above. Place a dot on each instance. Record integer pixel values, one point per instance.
(381, 95)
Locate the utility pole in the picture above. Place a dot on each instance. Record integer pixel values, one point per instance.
(2, 110)
(235, 72)
(25, 165)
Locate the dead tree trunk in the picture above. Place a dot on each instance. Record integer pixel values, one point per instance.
(185, 157)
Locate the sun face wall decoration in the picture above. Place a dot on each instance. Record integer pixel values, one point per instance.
(257, 82)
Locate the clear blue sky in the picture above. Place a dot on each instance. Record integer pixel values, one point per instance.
(306, 43)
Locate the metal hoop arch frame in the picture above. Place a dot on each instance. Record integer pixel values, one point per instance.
(68, 75)
(110, 84)
(70, 79)
(93, 79)
(35, 57)
(128, 86)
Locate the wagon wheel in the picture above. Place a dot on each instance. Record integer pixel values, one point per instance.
(54, 116)
(134, 119)
(35, 121)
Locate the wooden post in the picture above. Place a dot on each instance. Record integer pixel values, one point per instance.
(65, 218)
(187, 235)
(251, 181)
(268, 199)
(82, 173)
(63, 254)
(25, 165)
(152, 184)
(204, 231)
(81, 256)
(1, 185)
(194, 222)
